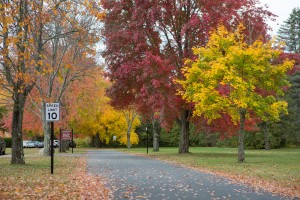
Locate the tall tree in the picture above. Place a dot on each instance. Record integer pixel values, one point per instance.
(20, 58)
(289, 31)
(69, 50)
(25, 32)
(287, 130)
(89, 112)
(148, 41)
(228, 77)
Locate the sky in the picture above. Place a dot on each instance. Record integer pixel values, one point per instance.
(281, 8)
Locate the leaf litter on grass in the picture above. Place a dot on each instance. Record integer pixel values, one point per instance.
(69, 181)
(257, 183)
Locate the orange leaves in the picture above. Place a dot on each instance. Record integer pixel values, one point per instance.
(69, 66)
(94, 7)
(69, 181)
(23, 77)
(100, 16)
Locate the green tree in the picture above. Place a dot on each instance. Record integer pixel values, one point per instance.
(287, 131)
(230, 76)
(289, 32)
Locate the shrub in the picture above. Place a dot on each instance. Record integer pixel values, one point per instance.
(8, 142)
(83, 142)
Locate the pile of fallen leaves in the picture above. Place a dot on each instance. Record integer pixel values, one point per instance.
(34, 181)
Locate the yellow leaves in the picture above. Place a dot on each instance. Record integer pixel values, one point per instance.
(134, 138)
(98, 116)
(240, 103)
(245, 70)
(277, 108)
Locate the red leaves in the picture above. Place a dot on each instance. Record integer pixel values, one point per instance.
(148, 41)
(224, 90)
(155, 83)
(225, 126)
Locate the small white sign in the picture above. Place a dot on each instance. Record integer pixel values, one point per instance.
(52, 112)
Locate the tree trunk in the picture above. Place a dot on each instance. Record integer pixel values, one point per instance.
(266, 134)
(92, 141)
(128, 138)
(156, 132)
(129, 114)
(241, 148)
(97, 141)
(47, 132)
(128, 134)
(17, 122)
(184, 132)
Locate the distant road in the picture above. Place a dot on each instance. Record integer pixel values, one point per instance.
(134, 177)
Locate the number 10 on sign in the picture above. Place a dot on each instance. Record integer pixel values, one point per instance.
(52, 112)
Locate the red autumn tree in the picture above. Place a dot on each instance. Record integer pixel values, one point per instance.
(148, 41)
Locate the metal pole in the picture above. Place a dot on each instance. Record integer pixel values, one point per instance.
(52, 150)
(72, 141)
(60, 143)
(147, 139)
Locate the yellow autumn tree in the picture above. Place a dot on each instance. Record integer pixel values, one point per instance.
(92, 115)
(230, 76)
(114, 123)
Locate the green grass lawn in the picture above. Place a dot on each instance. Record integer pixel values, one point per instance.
(35, 151)
(280, 167)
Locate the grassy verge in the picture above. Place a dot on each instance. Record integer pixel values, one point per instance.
(35, 151)
(275, 170)
(34, 181)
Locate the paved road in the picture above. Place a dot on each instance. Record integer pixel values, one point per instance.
(133, 177)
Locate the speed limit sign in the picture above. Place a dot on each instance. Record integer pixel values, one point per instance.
(52, 112)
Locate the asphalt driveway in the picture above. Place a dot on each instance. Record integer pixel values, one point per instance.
(134, 177)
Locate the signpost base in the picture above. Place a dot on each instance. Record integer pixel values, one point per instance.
(52, 149)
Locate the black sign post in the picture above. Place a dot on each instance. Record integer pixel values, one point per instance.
(52, 148)
(52, 115)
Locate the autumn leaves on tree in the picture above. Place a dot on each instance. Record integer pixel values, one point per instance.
(231, 77)
(148, 41)
(168, 61)
(31, 39)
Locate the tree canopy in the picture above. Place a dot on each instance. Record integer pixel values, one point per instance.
(233, 77)
(148, 41)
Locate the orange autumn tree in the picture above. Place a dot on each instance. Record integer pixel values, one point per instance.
(27, 28)
(70, 56)
(21, 49)
(90, 113)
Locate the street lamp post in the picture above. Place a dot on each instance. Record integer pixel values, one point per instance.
(147, 139)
